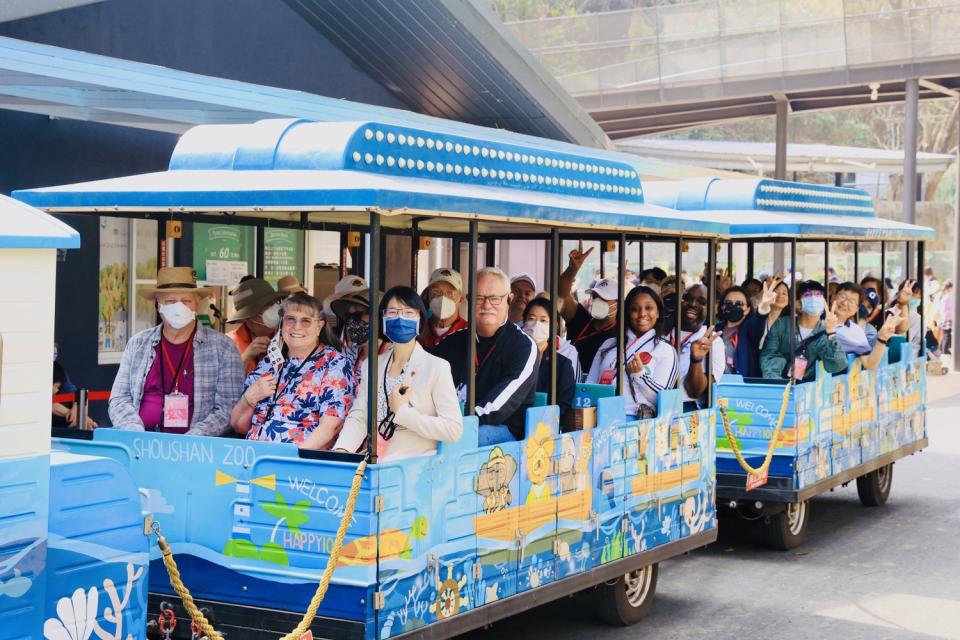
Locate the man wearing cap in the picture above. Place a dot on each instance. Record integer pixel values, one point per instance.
(257, 308)
(444, 296)
(524, 289)
(289, 285)
(180, 376)
(590, 325)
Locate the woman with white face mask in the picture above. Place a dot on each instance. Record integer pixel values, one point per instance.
(257, 309)
(442, 298)
(180, 376)
(417, 403)
(536, 324)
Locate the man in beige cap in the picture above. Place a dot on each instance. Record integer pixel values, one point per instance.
(443, 298)
(289, 285)
(257, 308)
(524, 289)
(180, 376)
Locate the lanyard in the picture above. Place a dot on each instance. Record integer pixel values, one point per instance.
(178, 370)
(480, 363)
(683, 341)
(580, 337)
(734, 337)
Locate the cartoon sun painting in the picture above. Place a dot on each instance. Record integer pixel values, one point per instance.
(539, 450)
(450, 596)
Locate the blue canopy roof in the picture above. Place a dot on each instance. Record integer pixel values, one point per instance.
(23, 227)
(278, 168)
(759, 207)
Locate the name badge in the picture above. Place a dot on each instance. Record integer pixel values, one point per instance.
(799, 367)
(176, 411)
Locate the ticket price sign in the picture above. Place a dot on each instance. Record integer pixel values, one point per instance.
(222, 254)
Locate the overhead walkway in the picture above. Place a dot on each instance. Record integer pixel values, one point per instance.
(647, 70)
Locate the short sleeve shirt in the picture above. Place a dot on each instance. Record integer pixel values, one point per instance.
(322, 387)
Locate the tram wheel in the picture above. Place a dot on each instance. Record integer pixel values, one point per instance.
(785, 530)
(626, 600)
(874, 487)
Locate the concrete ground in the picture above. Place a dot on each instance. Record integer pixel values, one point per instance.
(872, 573)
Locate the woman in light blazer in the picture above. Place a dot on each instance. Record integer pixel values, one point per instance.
(417, 403)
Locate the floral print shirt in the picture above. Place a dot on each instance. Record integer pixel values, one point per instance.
(323, 387)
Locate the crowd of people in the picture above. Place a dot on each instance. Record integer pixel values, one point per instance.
(294, 368)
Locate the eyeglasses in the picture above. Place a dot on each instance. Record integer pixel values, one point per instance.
(699, 300)
(408, 313)
(735, 303)
(495, 301)
(848, 301)
(293, 321)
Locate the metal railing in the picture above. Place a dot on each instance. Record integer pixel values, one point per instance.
(717, 40)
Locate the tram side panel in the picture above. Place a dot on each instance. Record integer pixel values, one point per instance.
(698, 506)
(611, 487)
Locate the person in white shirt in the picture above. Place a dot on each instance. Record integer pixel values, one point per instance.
(417, 403)
(696, 340)
(651, 363)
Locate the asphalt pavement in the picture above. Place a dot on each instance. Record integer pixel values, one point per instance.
(871, 573)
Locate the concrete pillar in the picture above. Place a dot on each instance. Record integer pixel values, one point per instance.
(910, 126)
(780, 168)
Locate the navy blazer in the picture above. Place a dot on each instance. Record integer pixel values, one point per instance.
(746, 358)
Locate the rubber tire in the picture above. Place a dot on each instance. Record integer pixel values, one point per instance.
(778, 531)
(874, 487)
(612, 605)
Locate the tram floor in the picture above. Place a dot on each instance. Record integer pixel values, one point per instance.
(862, 573)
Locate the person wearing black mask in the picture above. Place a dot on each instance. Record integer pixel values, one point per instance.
(353, 314)
(742, 327)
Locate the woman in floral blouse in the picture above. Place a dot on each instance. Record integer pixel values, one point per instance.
(304, 400)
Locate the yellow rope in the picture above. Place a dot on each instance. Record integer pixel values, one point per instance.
(773, 441)
(211, 634)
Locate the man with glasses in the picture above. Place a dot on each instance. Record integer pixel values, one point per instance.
(506, 362)
(696, 341)
(814, 340)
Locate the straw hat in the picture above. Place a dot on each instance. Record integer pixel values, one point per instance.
(176, 280)
(288, 285)
(340, 305)
(250, 298)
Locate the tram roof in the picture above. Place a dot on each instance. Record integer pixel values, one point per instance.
(759, 207)
(23, 227)
(336, 171)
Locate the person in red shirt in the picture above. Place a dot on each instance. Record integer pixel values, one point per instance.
(443, 298)
(257, 310)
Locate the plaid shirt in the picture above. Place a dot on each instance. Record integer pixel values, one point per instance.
(217, 383)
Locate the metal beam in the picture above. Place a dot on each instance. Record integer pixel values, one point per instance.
(910, 127)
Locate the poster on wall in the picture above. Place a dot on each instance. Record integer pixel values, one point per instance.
(113, 307)
(222, 254)
(282, 254)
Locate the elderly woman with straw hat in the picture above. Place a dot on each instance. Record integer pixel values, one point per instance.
(180, 376)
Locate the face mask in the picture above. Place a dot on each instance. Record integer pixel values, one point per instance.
(914, 303)
(539, 331)
(731, 313)
(599, 309)
(177, 315)
(863, 312)
(357, 330)
(271, 317)
(443, 307)
(401, 330)
(813, 305)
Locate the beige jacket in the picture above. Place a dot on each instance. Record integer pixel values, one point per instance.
(432, 415)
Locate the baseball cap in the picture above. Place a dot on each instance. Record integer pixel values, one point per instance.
(605, 288)
(524, 277)
(450, 276)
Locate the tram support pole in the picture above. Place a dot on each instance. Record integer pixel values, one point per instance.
(373, 340)
(472, 321)
(678, 261)
(414, 254)
(554, 302)
(793, 307)
(826, 264)
(780, 166)
(923, 299)
(856, 262)
(750, 260)
(621, 311)
(956, 263)
(712, 294)
(883, 273)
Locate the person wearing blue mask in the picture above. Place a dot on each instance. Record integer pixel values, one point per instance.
(417, 403)
(814, 339)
